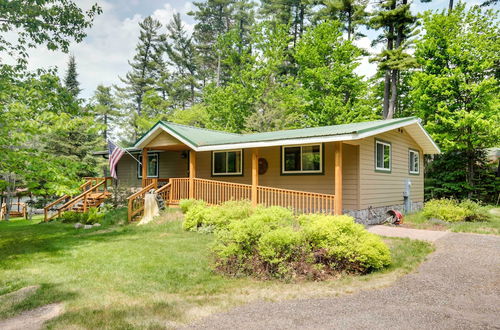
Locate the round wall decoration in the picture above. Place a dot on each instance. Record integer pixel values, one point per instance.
(263, 166)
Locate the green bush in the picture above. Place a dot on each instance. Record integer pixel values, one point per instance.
(271, 243)
(451, 210)
(200, 215)
(344, 244)
(92, 216)
(186, 204)
(72, 217)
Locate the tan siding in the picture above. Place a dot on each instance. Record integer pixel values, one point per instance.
(384, 189)
(164, 140)
(171, 165)
(324, 183)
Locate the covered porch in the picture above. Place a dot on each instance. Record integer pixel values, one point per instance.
(250, 184)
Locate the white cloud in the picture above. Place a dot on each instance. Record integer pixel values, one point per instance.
(104, 54)
(366, 68)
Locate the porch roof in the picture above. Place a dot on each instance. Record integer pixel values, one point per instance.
(201, 139)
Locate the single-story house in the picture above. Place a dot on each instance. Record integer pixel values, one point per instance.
(362, 169)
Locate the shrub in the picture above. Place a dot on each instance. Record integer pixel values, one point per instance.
(71, 217)
(344, 244)
(186, 204)
(452, 211)
(215, 217)
(271, 243)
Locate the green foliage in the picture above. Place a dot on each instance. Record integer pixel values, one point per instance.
(54, 23)
(269, 242)
(456, 94)
(451, 210)
(92, 216)
(199, 216)
(349, 245)
(71, 79)
(187, 204)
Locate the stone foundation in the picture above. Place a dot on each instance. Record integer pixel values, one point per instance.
(375, 215)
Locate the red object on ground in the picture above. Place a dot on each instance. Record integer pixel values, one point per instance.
(397, 216)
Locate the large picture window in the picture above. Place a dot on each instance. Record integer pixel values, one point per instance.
(152, 166)
(414, 161)
(302, 159)
(382, 156)
(227, 162)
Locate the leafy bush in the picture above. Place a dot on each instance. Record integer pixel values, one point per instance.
(344, 244)
(93, 215)
(271, 243)
(186, 204)
(199, 215)
(72, 217)
(452, 211)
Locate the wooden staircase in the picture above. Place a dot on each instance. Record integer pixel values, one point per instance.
(93, 193)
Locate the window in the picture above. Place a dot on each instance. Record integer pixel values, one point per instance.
(382, 156)
(413, 161)
(302, 159)
(227, 162)
(152, 166)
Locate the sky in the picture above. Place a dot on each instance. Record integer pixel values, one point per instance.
(102, 57)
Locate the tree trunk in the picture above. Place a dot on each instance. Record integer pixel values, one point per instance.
(349, 24)
(450, 6)
(218, 70)
(394, 94)
(105, 133)
(8, 199)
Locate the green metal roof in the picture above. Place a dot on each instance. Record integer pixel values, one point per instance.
(205, 137)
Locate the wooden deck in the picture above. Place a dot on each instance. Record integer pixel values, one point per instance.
(217, 192)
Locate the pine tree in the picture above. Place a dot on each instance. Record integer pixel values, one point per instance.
(71, 78)
(182, 55)
(105, 108)
(145, 70)
(397, 22)
(351, 13)
(214, 19)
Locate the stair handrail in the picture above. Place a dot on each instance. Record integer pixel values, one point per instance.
(136, 195)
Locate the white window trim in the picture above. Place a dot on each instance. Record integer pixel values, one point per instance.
(226, 151)
(410, 151)
(139, 167)
(383, 169)
(283, 171)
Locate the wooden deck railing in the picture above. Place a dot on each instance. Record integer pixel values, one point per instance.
(179, 189)
(164, 192)
(136, 201)
(299, 201)
(217, 192)
(158, 181)
(91, 185)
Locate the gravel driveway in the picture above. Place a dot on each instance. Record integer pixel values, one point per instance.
(458, 287)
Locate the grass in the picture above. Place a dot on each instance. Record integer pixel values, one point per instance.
(417, 220)
(152, 276)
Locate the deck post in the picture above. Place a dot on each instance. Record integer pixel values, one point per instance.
(144, 166)
(338, 179)
(255, 176)
(192, 172)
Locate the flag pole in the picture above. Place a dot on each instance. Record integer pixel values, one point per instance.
(127, 152)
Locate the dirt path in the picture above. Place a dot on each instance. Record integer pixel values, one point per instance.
(458, 287)
(424, 235)
(32, 319)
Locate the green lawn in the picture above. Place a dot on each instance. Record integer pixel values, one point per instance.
(417, 220)
(151, 276)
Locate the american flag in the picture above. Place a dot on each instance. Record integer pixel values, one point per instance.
(115, 153)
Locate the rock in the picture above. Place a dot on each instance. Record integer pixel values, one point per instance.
(97, 225)
(78, 225)
(87, 227)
